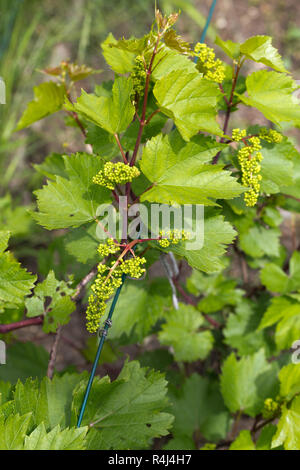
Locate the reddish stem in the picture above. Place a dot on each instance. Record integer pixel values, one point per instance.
(224, 94)
(21, 324)
(143, 118)
(228, 112)
(191, 301)
(116, 197)
(152, 115)
(75, 116)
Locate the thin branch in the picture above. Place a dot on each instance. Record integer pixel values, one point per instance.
(224, 94)
(53, 354)
(74, 115)
(292, 197)
(21, 324)
(148, 189)
(193, 302)
(115, 195)
(84, 282)
(143, 118)
(121, 148)
(152, 115)
(256, 427)
(228, 112)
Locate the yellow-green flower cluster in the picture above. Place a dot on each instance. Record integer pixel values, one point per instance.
(133, 267)
(105, 285)
(171, 237)
(212, 68)
(249, 158)
(115, 173)
(238, 134)
(270, 408)
(138, 76)
(107, 248)
(270, 135)
(102, 289)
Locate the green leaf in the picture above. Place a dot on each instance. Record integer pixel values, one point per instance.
(272, 94)
(174, 41)
(232, 49)
(167, 60)
(180, 442)
(264, 442)
(217, 291)
(4, 237)
(243, 442)
(140, 316)
(48, 98)
(288, 428)
(259, 241)
(13, 431)
(50, 401)
(52, 166)
(294, 190)
(60, 307)
(112, 113)
(71, 201)
(275, 311)
(181, 332)
(287, 330)
(198, 406)
(277, 169)
(272, 216)
(127, 412)
(5, 392)
(180, 171)
(246, 383)
(241, 329)
(289, 377)
(217, 233)
(15, 282)
(190, 101)
(274, 278)
(82, 243)
(260, 49)
(103, 143)
(56, 439)
(14, 218)
(120, 60)
(24, 360)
